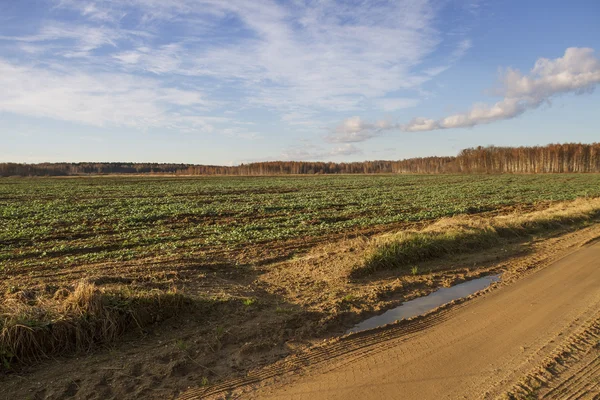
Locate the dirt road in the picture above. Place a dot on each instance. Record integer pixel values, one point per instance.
(476, 350)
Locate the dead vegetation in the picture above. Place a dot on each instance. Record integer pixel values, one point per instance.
(36, 325)
(466, 234)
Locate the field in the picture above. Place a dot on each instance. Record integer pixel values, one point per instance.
(54, 224)
(250, 264)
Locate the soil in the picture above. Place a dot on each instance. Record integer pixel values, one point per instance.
(283, 311)
(477, 349)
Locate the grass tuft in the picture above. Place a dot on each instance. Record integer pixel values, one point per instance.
(34, 327)
(465, 234)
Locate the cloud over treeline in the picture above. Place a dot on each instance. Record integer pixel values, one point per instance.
(578, 71)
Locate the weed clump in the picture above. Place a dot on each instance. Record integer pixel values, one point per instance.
(33, 327)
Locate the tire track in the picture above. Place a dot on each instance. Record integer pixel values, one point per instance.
(475, 349)
(353, 347)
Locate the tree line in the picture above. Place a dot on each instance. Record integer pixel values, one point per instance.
(553, 158)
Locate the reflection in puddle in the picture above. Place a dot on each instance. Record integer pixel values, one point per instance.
(425, 304)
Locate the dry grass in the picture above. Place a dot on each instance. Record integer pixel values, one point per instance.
(464, 234)
(35, 325)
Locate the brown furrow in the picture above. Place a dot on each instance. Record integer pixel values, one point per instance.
(575, 386)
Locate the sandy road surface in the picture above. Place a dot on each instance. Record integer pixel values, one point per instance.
(476, 350)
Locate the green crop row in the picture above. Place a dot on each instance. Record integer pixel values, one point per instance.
(58, 221)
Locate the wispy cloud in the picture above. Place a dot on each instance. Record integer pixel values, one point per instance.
(312, 152)
(149, 63)
(460, 50)
(394, 104)
(577, 71)
(107, 99)
(66, 40)
(345, 150)
(324, 54)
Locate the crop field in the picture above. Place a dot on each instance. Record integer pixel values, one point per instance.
(54, 223)
(234, 268)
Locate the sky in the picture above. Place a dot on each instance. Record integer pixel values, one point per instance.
(235, 81)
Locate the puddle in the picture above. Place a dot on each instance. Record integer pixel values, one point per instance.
(422, 305)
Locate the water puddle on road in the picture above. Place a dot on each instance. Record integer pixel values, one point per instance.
(422, 305)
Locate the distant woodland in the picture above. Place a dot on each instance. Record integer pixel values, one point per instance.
(553, 158)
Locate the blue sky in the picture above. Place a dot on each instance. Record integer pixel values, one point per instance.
(226, 82)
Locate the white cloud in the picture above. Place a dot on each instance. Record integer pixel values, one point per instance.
(394, 104)
(67, 40)
(323, 55)
(578, 71)
(298, 59)
(99, 100)
(300, 117)
(354, 129)
(345, 150)
(159, 60)
(420, 124)
(462, 48)
(479, 114)
(312, 152)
